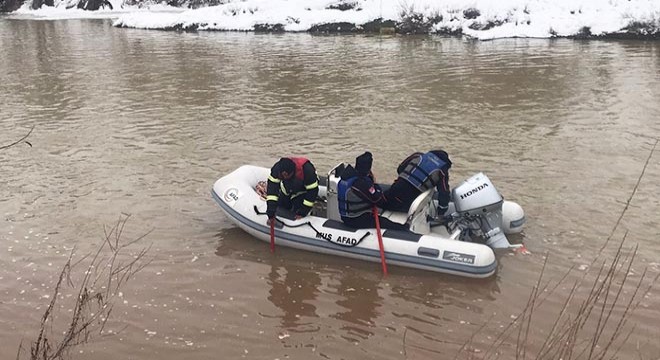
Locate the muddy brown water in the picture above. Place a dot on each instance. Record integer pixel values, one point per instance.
(143, 122)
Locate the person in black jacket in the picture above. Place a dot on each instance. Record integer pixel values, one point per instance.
(418, 173)
(292, 185)
(358, 194)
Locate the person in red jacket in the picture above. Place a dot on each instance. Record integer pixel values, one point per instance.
(292, 185)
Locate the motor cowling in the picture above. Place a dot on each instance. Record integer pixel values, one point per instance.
(476, 195)
(478, 207)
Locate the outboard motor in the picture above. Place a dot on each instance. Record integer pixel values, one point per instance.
(478, 212)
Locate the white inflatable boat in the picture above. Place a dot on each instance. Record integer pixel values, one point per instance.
(480, 220)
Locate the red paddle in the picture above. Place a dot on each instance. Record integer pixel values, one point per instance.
(272, 234)
(380, 241)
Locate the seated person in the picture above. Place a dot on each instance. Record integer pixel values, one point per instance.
(293, 185)
(418, 173)
(358, 195)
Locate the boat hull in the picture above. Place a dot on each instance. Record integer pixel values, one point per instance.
(235, 195)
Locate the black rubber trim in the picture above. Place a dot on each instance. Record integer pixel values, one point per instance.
(339, 225)
(424, 251)
(402, 235)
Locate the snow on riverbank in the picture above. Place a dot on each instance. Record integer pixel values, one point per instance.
(482, 19)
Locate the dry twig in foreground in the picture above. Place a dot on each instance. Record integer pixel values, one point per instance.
(107, 271)
(592, 322)
(19, 140)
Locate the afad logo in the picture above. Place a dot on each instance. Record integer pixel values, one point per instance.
(231, 195)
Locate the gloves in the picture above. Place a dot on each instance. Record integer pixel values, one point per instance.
(270, 213)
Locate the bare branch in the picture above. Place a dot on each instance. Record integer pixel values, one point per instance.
(19, 140)
(94, 304)
(634, 191)
(606, 305)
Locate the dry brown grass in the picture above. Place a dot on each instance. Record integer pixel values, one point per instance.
(107, 270)
(592, 323)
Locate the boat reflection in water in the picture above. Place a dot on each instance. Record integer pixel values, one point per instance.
(350, 299)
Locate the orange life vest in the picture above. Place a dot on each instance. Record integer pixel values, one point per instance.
(299, 161)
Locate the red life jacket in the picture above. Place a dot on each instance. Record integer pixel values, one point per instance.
(299, 161)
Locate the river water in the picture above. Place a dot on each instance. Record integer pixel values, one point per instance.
(143, 122)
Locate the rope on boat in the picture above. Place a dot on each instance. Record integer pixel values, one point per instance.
(318, 233)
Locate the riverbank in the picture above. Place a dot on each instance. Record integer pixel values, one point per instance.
(481, 19)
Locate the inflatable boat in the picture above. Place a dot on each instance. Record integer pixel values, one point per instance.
(462, 244)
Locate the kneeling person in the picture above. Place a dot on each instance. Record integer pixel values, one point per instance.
(292, 185)
(358, 194)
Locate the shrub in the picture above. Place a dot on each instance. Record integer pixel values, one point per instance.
(471, 13)
(269, 28)
(344, 5)
(415, 22)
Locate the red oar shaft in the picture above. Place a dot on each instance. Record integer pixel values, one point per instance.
(380, 241)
